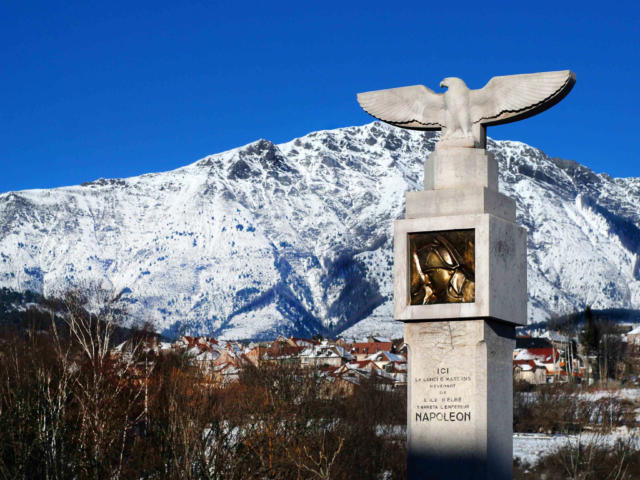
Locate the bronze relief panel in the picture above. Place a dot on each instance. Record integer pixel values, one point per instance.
(442, 267)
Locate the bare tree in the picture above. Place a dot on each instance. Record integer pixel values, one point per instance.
(318, 464)
(107, 387)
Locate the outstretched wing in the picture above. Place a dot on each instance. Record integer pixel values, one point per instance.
(415, 107)
(514, 97)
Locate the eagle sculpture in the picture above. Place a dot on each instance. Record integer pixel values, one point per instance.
(464, 114)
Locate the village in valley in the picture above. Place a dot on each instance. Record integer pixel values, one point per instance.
(541, 356)
(342, 364)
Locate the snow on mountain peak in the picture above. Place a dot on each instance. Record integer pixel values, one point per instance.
(296, 238)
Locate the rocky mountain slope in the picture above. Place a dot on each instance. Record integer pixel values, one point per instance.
(297, 238)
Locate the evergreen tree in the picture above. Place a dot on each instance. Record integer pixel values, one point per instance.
(590, 336)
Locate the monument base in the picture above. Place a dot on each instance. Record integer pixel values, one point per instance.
(459, 410)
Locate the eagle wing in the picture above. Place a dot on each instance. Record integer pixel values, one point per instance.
(415, 107)
(514, 97)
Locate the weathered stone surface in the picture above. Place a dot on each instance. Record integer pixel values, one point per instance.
(460, 168)
(459, 418)
(459, 409)
(440, 203)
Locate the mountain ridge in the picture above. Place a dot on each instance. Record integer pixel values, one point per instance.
(296, 238)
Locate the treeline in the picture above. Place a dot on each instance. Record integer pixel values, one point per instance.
(600, 342)
(569, 409)
(586, 458)
(69, 408)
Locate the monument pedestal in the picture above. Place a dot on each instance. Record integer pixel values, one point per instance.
(459, 409)
(460, 286)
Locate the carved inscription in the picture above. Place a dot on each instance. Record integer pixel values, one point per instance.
(444, 396)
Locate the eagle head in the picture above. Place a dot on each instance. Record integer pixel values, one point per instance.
(450, 82)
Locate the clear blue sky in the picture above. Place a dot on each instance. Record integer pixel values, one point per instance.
(114, 89)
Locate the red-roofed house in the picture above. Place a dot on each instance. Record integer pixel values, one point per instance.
(362, 350)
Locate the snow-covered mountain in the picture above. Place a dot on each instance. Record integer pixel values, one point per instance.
(297, 238)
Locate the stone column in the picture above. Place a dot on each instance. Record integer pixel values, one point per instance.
(460, 288)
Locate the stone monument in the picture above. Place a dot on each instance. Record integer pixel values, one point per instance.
(460, 273)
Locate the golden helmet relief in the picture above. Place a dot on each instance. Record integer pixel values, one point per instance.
(442, 266)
